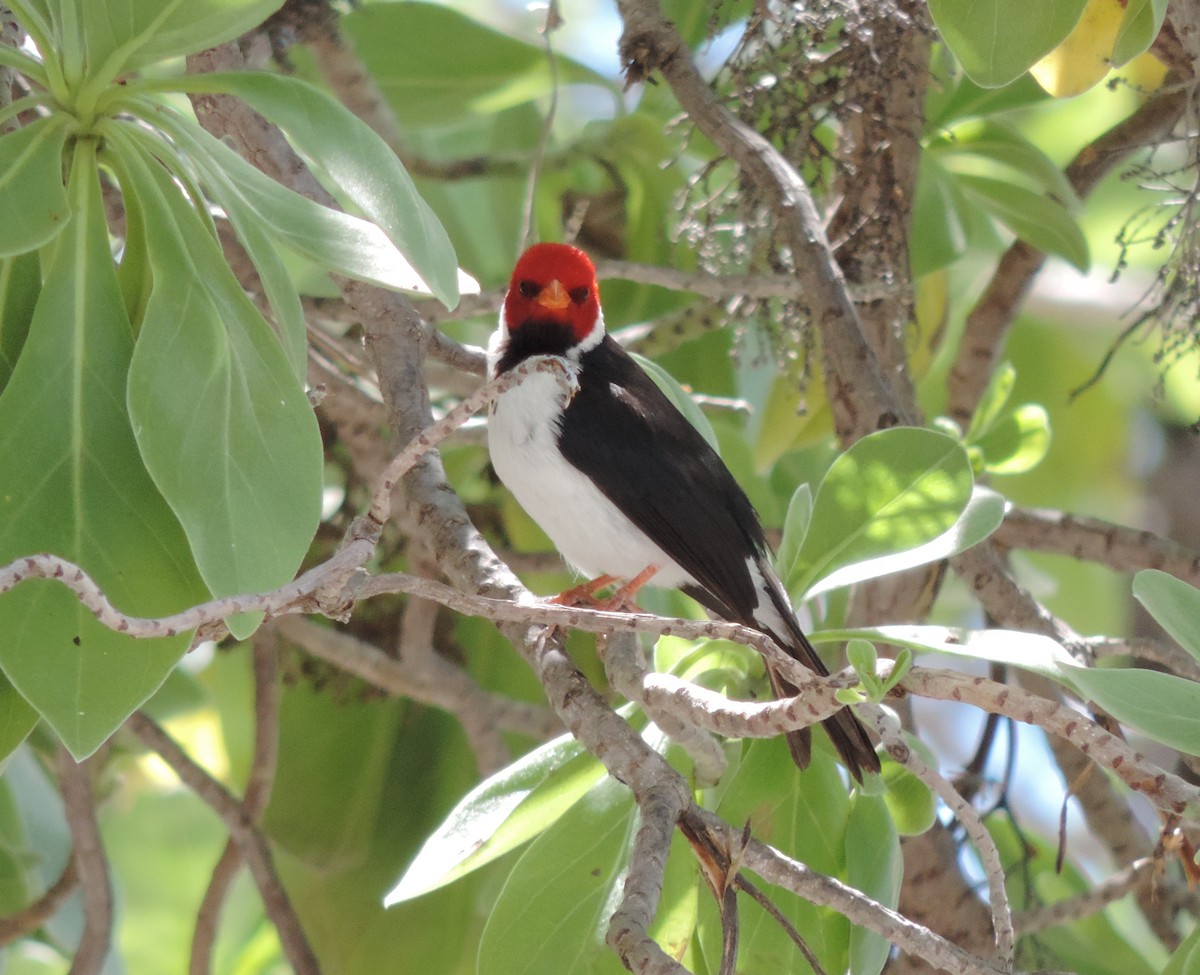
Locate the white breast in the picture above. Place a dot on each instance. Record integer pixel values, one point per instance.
(587, 528)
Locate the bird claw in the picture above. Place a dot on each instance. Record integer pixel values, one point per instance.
(621, 601)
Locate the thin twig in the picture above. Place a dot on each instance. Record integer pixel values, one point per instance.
(75, 784)
(989, 856)
(1086, 904)
(26, 921)
(245, 833)
(257, 795)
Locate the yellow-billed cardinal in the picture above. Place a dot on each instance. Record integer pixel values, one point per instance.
(622, 482)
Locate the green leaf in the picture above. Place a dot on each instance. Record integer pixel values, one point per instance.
(680, 398)
(33, 202)
(875, 865)
(1038, 220)
(1139, 27)
(1173, 603)
(75, 485)
(325, 799)
(499, 814)
(991, 404)
(911, 803)
(998, 142)
(982, 516)
(795, 527)
(487, 73)
(804, 814)
(217, 163)
(356, 160)
(939, 233)
(1186, 959)
(1017, 442)
(122, 35)
(222, 423)
(553, 912)
(17, 718)
(890, 492)
(1014, 648)
(969, 100)
(997, 41)
(1165, 707)
(20, 285)
(336, 241)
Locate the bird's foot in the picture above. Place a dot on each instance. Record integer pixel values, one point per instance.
(621, 601)
(584, 594)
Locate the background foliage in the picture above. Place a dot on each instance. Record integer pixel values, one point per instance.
(165, 304)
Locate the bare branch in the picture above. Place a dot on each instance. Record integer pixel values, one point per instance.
(258, 794)
(26, 921)
(1085, 905)
(1166, 791)
(859, 395)
(776, 868)
(1095, 540)
(244, 832)
(91, 864)
(888, 730)
(989, 321)
(437, 682)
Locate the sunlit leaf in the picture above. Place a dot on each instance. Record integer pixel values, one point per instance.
(999, 40)
(1085, 55)
(489, 71)
(499, 814)
(121, 35)
(910, 801)
(1017, 442)
(890, 492)
(982, 516)
(1165, 707)
(1140, 26)
(680, 398)
(1015, 648)
(795, 528)
(1174, 605)
(991, 404)
(804, 814)
(552, 914)
(356, 160)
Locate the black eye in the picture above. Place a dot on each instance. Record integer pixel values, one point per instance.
(579, 295)
(530, 289)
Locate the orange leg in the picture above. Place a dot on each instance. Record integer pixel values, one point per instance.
(622, 601)
(583, 594)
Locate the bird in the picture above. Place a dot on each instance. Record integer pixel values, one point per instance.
(624, 485)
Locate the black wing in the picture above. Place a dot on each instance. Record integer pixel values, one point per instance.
(623, 432)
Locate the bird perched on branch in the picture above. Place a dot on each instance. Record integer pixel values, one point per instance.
(623, 484)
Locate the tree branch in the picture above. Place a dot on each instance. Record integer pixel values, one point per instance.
(75, 783)
(244, 832)
(989, 321)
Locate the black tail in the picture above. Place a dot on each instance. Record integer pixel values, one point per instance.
(846, 732)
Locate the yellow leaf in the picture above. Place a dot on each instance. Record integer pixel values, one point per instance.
(1083, 59)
